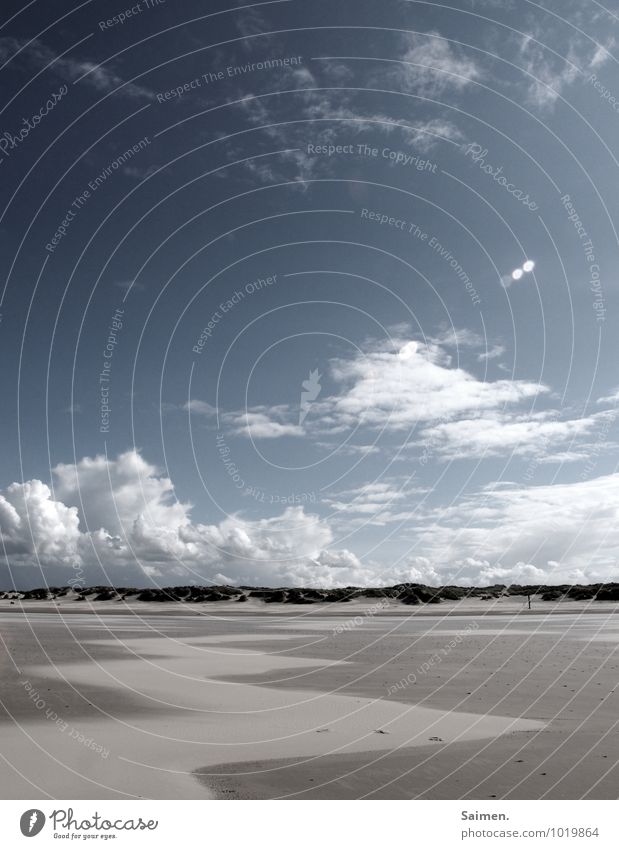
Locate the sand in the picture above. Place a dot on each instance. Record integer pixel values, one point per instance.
(332, 703)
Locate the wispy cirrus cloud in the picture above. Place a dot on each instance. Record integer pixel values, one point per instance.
(551, 69)
(431, 65)
(378, 503)
(37, 55)
(501, 434)
(491, 353)
(254, 423)
(259, 425)
(324, 95)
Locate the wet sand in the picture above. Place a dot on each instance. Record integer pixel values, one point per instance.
(352, 702)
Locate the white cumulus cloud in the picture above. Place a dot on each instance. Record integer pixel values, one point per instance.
(118, 520)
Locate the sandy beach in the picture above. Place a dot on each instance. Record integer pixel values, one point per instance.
(351, 700)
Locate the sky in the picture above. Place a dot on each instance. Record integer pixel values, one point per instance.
(309, 294)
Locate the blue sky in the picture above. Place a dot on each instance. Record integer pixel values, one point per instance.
(264, 318)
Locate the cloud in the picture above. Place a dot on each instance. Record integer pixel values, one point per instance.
(550, 76)
(376, 503)
(565, 532)
(334, 116)
(416, 382)
(349, 449)
(493, 4)
(491, 353)
(114, 494)
(434, 65)
(603, 52)
(498, 434)
(254, 423)
(571, 456)
(413, 389)
(550, 72)
(249, 22)
(391, 389)
(32, 523)
(118, 520)
(37, 55)
(458, 337)
(140, 173)
(201, 408)
(613, 398)
(416, 385)
(258, 425)
(126, 285)
(424, 135)
(461, 337)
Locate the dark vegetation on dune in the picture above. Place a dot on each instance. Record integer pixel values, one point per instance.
(406, 593)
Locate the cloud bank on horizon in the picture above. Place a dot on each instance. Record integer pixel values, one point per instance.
(345, 273)
(119, 520)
